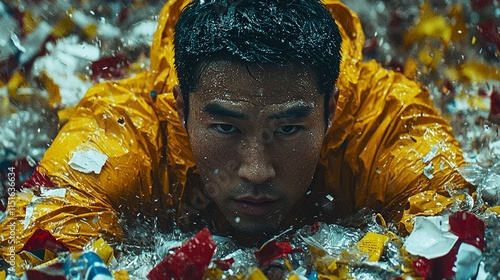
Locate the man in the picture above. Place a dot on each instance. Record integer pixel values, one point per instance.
(257, 134)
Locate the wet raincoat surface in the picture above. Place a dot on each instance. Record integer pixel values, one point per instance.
(387, 144)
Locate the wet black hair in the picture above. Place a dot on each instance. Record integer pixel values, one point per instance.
(279, 32)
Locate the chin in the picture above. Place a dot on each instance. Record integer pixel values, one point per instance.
(253, 235)
(257, 228)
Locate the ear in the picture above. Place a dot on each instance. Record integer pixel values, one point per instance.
(332, 106)
(180, 105)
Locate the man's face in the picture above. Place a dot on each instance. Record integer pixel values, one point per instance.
(256, 134)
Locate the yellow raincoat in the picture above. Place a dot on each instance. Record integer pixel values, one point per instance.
(387, 143)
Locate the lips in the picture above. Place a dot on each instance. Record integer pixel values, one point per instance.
(255, 206)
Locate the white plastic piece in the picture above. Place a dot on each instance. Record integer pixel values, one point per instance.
(88, 161)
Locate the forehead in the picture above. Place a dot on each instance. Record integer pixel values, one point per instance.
(237, 81)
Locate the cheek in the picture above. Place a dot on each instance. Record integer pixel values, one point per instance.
(298, 162)
(215, 159)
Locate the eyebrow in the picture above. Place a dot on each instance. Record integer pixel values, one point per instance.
(296, 112)
(217, 110)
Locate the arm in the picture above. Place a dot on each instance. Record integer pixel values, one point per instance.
(400, 146)
(117, 120)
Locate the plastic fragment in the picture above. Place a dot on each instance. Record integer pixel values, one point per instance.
(103, 250)
(495, 105)
(467, 263)
(255, 274)
(43, 239)
(51, 272)
(272, 251)
(88, 265)
(34, 41)
(188, 261)
(224, 264)
(430, 237)
(46, 192)
(428, 170)
(88, 161)
(373, 244)
(468, 227)
(432, 154)
(461, 258)
(111, 67)
(38, 179)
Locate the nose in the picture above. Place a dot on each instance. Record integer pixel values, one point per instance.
(256, 166)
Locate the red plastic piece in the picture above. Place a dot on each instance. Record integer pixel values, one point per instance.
(468, 228)
(479, 4)
(110, 67)
(188, 261)
(495, 103)
(224, 264)
(489, 31)
(439, 268)
(371, 46)
(448, 87)
(272, 251)
(123, 15)
(42, 239)
(38, 179)
(482, 92)
(315, 228)
(51, 272)
(423, 267)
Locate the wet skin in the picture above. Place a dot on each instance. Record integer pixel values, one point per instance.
(256, 134)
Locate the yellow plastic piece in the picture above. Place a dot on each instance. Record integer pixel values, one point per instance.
(328, 277)
(288, 264)
(339, 269)
(410, 68)
(429, 25)
(213, 274)
(52, 89)
(256, 274)
(494, 209)
(103, 250)
(373, 244)
(30, 22)
(90, 30)
(427, 203)
(28, 259)
(121, 275)
(63, 27)
(4, 106)
(16, 81)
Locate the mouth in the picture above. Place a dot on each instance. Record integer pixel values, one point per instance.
(255, 206)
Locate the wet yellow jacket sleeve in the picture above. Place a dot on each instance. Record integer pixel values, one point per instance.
(123, 121)
(398, 145)
(113, 119)
(389, 134)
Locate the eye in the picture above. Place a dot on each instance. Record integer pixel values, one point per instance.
(225, 128)
(287, 129)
